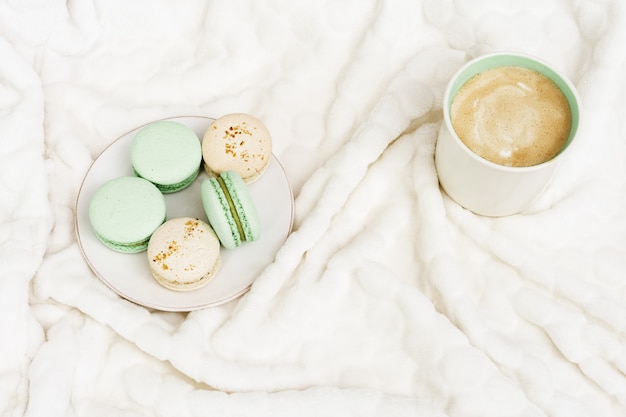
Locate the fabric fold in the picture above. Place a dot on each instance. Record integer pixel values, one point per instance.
(387, 298)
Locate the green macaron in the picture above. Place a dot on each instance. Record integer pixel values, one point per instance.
(166, 153)
(125, 211)
(230, 209)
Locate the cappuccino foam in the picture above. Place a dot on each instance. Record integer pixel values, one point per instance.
(511, 116)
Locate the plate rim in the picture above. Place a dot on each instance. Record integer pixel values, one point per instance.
(155, 306)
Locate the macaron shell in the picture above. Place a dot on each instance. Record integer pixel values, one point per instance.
(184, 254)
(238, 142)
(172, 188)
(219, 214)
(166, 153)
(134, 247)
(187, 286)
(125, 211)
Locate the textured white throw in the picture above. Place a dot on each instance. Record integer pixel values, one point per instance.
(388, 299)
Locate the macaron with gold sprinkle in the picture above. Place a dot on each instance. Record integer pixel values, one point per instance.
(184, 254)
(237, 142)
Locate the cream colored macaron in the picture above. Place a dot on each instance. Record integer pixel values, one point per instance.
(184, 254)
(237, 142)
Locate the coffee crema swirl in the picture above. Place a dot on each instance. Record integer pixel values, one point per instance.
(512, 116)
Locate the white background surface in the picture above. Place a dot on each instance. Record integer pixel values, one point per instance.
(387, 299)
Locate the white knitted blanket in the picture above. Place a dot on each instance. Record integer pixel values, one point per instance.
(387, 299)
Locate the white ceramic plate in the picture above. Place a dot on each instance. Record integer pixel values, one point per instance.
(129, 275)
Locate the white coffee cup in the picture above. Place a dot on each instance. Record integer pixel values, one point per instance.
(484, 187)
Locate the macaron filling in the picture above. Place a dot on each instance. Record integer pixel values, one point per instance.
(186, 286)
(233, 210)
(245, 209)
(226, 229)
(134, 247)
(230, 209)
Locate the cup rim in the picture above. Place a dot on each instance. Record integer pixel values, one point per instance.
(447, 120)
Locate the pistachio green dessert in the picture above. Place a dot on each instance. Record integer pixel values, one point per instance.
(230, 209)
(125, 211)
(166, 153)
